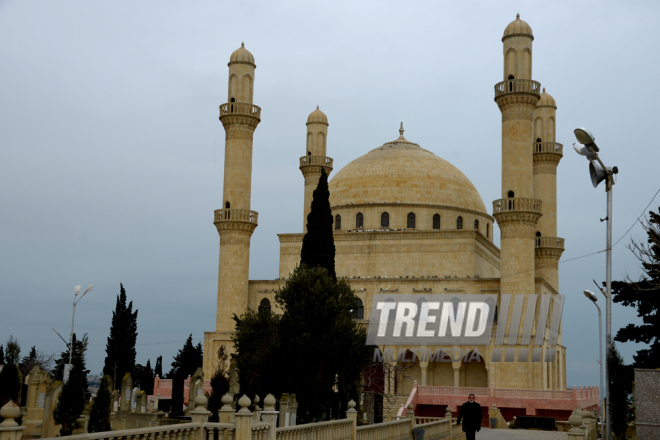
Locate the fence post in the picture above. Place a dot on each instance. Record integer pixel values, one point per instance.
(269, 415)
(389, 413)
(411, 414)
(9, 429)
(575, 420)
(492, 389)
(243, 420)
(225, 413)
(575, 397)
(352, 414)
(200, 415)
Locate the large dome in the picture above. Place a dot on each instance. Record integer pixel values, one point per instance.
(402, 172)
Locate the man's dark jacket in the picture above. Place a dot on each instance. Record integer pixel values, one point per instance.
(470, 413)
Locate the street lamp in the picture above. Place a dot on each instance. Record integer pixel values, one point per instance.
(586, 146)
(76, 300)
(593, 298)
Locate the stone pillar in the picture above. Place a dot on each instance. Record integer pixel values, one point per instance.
(9, 429)
(575, 433)
(352, 414)
(411, 414)
(225, 413)
(243, 420)
(200, 415)
(284, 410)
(457, 376)
(269, 415)
(423, 366)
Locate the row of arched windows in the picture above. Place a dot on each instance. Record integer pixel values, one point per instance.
(410, 222)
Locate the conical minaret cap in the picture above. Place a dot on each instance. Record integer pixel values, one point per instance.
(517, 27)
(317, 117)
(242, 55)
(546, 100)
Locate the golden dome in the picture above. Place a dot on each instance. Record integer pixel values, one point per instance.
(317, 116)
(402, 172)
(242, 55)
(517, 27)
(546, 100)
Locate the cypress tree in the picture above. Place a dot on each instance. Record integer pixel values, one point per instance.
(318, 247)
(620, 402)
(147, 379)
(120, 348)
(158, 371)
(644, 295)
(189, 358)
(99, 416)
(2, 355)
(10, 378)
(71, 402)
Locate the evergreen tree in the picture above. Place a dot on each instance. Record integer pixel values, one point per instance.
(189, 358)
(146, 378)
(644, 295)
(620, 401)
(2, 355)
(219, 384)
(318, 247)
(120, 349)
(72, 398)
(10, 377)
(158, 371)
(325, 348)
(99, 416)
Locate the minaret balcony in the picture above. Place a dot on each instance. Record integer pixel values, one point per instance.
(512, 86)
(235, 219)
(548, 148)
(517, 204)
(240, 108)
(550, 242)
(322, 161)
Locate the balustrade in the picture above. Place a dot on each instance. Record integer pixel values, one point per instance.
(240, 108)
(394, 430)
(550, 242)
(236, 215)
(517, 86)
(548, 147)
(316, 160)
(517, 204)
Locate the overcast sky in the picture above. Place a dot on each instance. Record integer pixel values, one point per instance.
(112, 152)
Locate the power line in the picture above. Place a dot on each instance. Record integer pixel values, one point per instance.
(637, 220)
(154, 343)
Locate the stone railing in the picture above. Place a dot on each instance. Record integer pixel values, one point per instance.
(240, 108)
(394, 430)
(220, 431)
(236, 215)
(323, 161)
(517, 86)
(183, 431)
(512, 393)
(517, 204)
(453, 391)
(550, 242)
(436, 429)
(548, 147)
(332, 430)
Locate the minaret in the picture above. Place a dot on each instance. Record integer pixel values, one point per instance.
(547, 154)
(518, 212)
(314, 159)
(235, 222)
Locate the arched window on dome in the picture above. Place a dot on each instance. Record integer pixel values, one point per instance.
(476, 224)
(436, 221)
(227, 205)
(385, 220)
(411, 221)
(309, 153)
(511, 194)
(487, 230)
(358, 312)
(459, 222)
(264, 305)
(359, 220)
(538, 145)
(511, 83)
(337, 222)
(538, 238)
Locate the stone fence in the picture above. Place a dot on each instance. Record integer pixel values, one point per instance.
(257, 425)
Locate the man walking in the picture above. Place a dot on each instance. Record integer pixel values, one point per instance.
(470, 413)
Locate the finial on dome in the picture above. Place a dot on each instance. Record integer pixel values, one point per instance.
(242, 44)
(317, 107)
(543, 89)
(517, 16)
(401, 131)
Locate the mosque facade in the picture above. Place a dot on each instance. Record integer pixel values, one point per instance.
(408, 221)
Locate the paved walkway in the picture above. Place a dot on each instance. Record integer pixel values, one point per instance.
(519, 434)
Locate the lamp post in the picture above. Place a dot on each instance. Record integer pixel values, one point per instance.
(586, 146)
(76, 300)
(593, 298)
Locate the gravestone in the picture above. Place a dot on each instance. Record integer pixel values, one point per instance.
(196, 388)
(134, 394)
(126, 388)
(176, 408)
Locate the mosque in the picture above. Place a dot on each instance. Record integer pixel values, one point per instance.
(407, 221)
